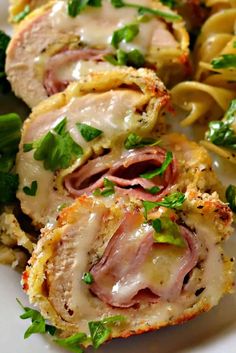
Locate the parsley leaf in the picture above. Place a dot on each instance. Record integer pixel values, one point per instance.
(8, 187)
(109, 189)
(230, 195)
(87, 278)
(174, 200)
(147, 10)
(20, 16)
(126, 33)
(38, 322)
(153, 190)
(56, 149)
(100, 330)
(76, 6)
(31, 191)
(224, 61)
(88, 132)
(221, 133)
(133, 58)
(169, 3)
(4, 41)
(73, 343)
(167, 232)
(160, 170)
(136, 141)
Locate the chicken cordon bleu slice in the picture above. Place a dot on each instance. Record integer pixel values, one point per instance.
(103, 262)
(57, 44)
(85, 121)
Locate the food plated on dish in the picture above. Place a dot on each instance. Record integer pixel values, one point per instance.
(121, 219)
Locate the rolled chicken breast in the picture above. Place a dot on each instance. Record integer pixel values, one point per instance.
(89, 119)
(54, 45)
(113, 266)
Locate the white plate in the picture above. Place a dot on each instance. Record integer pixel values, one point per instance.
(213, 332)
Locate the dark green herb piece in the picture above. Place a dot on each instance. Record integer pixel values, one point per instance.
(221, 133)
(76, 6)
(230, 195)
(126, 33)
(100, 330)
(56, 149)
(136, 141)
(167, 232)
(88, 132)
(146, 10)
(38, 322)
(224, 61)
(73, 343)
(174, 200)
(4, 41)
(153, 190)
(87, 278)
(133, 58)
(160, 170)
(109, 189)
(169, 3)
(20, 16)
(10, 132)
(31, 191)
(8, 187)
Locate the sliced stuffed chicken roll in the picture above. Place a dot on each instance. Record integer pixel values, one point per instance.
(61, 42)
(129, 269)
(86, 121)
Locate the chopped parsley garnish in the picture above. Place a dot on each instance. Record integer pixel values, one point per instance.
(38, 323)
(4, 41)
(167, 232)
(132, 58)
(76, 6)
(31, 190)
(73, 343)
(109, 189)
(136, 141)
(153, 190)
(100, 330)
(126, 33)
(230, 195)
(87, 278)
(142, 10)
(221, 133)
(161, 169)
(20, 16)
(56, 149)
(169, 3)
(225, 61)
(88, 132)
(8, 187)
(174, 200)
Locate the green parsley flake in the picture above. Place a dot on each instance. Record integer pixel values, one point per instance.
(73, 343)
(31, 191)
(56, 149)
(126, 33)
(225, 61)
(87, 278)
(153, 190)
(76, 6)
(38, 322)
(133, 58)
(88, 132)
(136, 141)
(160, 170)
(109, 189)
(20, 16)
(230, 195)
(174, 200)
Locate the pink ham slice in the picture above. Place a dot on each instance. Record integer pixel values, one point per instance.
(125, 174)
(51, 82)
(118, 277)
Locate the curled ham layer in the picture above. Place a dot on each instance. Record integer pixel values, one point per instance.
(134, 268)
(52, 82)
(125, 173)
